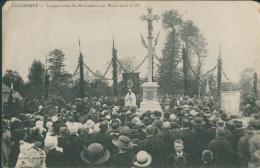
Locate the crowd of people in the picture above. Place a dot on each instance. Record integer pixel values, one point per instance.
(97, 132)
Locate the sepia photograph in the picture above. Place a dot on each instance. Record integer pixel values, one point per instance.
(131, 84)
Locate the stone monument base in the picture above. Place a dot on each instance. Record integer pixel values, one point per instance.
(150, 105)
(150, 101)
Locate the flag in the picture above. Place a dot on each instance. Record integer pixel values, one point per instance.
(155, 41)
(131, 80)
(143, 42)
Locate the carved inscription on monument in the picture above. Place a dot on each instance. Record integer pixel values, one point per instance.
(149, 95)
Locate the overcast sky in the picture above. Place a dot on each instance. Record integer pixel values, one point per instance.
(30, 33)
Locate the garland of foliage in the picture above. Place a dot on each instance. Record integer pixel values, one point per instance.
(199, 77)
(140, 64)
(209, 71)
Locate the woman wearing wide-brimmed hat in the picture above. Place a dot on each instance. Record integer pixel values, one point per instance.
(124, 157)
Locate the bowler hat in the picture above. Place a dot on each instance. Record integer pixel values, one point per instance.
(220, 123)
(198, 121)
(174, 124)
(146, 121)
(95, 154)
(185, 122)
(167, 115)
(157, 114)
(166, 125)
(139, 125)
(238, 123)
(84, 131)
(122, 142)
(134, 132)
(207, 113)
(125, 131)
(116, 108)
(158, 123)
(114, 127)
(213, 120)
(103, 126)
(255, 124)
(207, 156)
(63, 130)
(128, 113)
(114, 114)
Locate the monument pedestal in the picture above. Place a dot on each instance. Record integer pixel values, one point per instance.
(150, 101)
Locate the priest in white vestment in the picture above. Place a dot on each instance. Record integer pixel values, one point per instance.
(130, 99)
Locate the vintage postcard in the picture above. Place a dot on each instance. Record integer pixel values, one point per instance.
(130, 84)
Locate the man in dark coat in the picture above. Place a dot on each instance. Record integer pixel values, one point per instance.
(227, 134)
(167, 137)
(16, 136)
(139, 126)
(124, 157)
(154, 146)
(207, 158)
(103, 137)
(191, 141)
(200, 130)
(211, 132)
(237, 133)
(54, 157)
(221, 149)
(79, 143)
(64, 143)
(243, 148)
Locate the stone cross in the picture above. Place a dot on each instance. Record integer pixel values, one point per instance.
(150, 18)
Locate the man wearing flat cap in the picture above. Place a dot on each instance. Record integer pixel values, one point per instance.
(191, 141)
(154, 146)
(167, 137)
(221, 149)
(63, 142)
(199, 128)
(79, 142)
(243, 150)
(103, 137)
